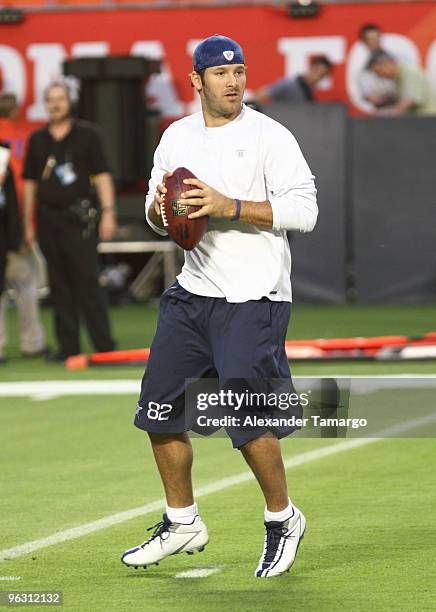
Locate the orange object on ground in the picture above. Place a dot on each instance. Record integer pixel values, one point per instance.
(323, 348)
(375, 342)
(77, 362)
(134, 356)
(121, 357)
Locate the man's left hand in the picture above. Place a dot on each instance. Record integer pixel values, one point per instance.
(212, 202)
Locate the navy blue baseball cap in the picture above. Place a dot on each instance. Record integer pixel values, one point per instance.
(217, 51)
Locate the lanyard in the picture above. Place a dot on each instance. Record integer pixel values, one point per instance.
(51, 161)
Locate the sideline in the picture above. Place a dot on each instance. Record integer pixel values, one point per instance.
(52, 389)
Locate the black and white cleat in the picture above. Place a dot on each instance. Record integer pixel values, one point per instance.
(168, 539)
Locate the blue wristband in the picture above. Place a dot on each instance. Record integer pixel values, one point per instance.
(238, 210)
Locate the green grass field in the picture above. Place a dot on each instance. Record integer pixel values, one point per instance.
(73, 459)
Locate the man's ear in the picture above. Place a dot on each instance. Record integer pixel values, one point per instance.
(196, 81)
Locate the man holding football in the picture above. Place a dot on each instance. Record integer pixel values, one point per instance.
(229, 309)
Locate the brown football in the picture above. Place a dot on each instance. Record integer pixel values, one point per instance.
(186, 232)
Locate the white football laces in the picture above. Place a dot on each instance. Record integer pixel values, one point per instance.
(163, 213)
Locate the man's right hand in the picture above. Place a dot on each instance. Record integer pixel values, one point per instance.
(160, 192)
(154, 210)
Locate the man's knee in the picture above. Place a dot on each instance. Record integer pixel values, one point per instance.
(167, 438)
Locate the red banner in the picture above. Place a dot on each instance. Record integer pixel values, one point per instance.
(275, 45)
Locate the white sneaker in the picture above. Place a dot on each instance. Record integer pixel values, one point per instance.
(281, 545)
(168, 539)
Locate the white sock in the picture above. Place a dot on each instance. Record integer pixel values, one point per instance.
(182, 515)
(281, 516)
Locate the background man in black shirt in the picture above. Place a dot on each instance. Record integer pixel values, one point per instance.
(65, 162)
(10, 232)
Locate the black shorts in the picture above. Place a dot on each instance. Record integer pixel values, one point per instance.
(199, 337)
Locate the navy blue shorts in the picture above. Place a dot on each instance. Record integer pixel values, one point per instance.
(203, 337)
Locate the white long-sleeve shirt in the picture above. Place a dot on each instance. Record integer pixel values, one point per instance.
(251, 158)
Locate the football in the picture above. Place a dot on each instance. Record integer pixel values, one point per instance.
(187, 233)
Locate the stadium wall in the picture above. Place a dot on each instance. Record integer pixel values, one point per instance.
(319, 259)
(375, 237)
(392, 187)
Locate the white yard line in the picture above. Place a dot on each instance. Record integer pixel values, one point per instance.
(52, 389)
(213, 487)
(199, 572)
(9, 578)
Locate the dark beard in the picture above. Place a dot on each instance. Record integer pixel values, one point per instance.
(214, 108)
